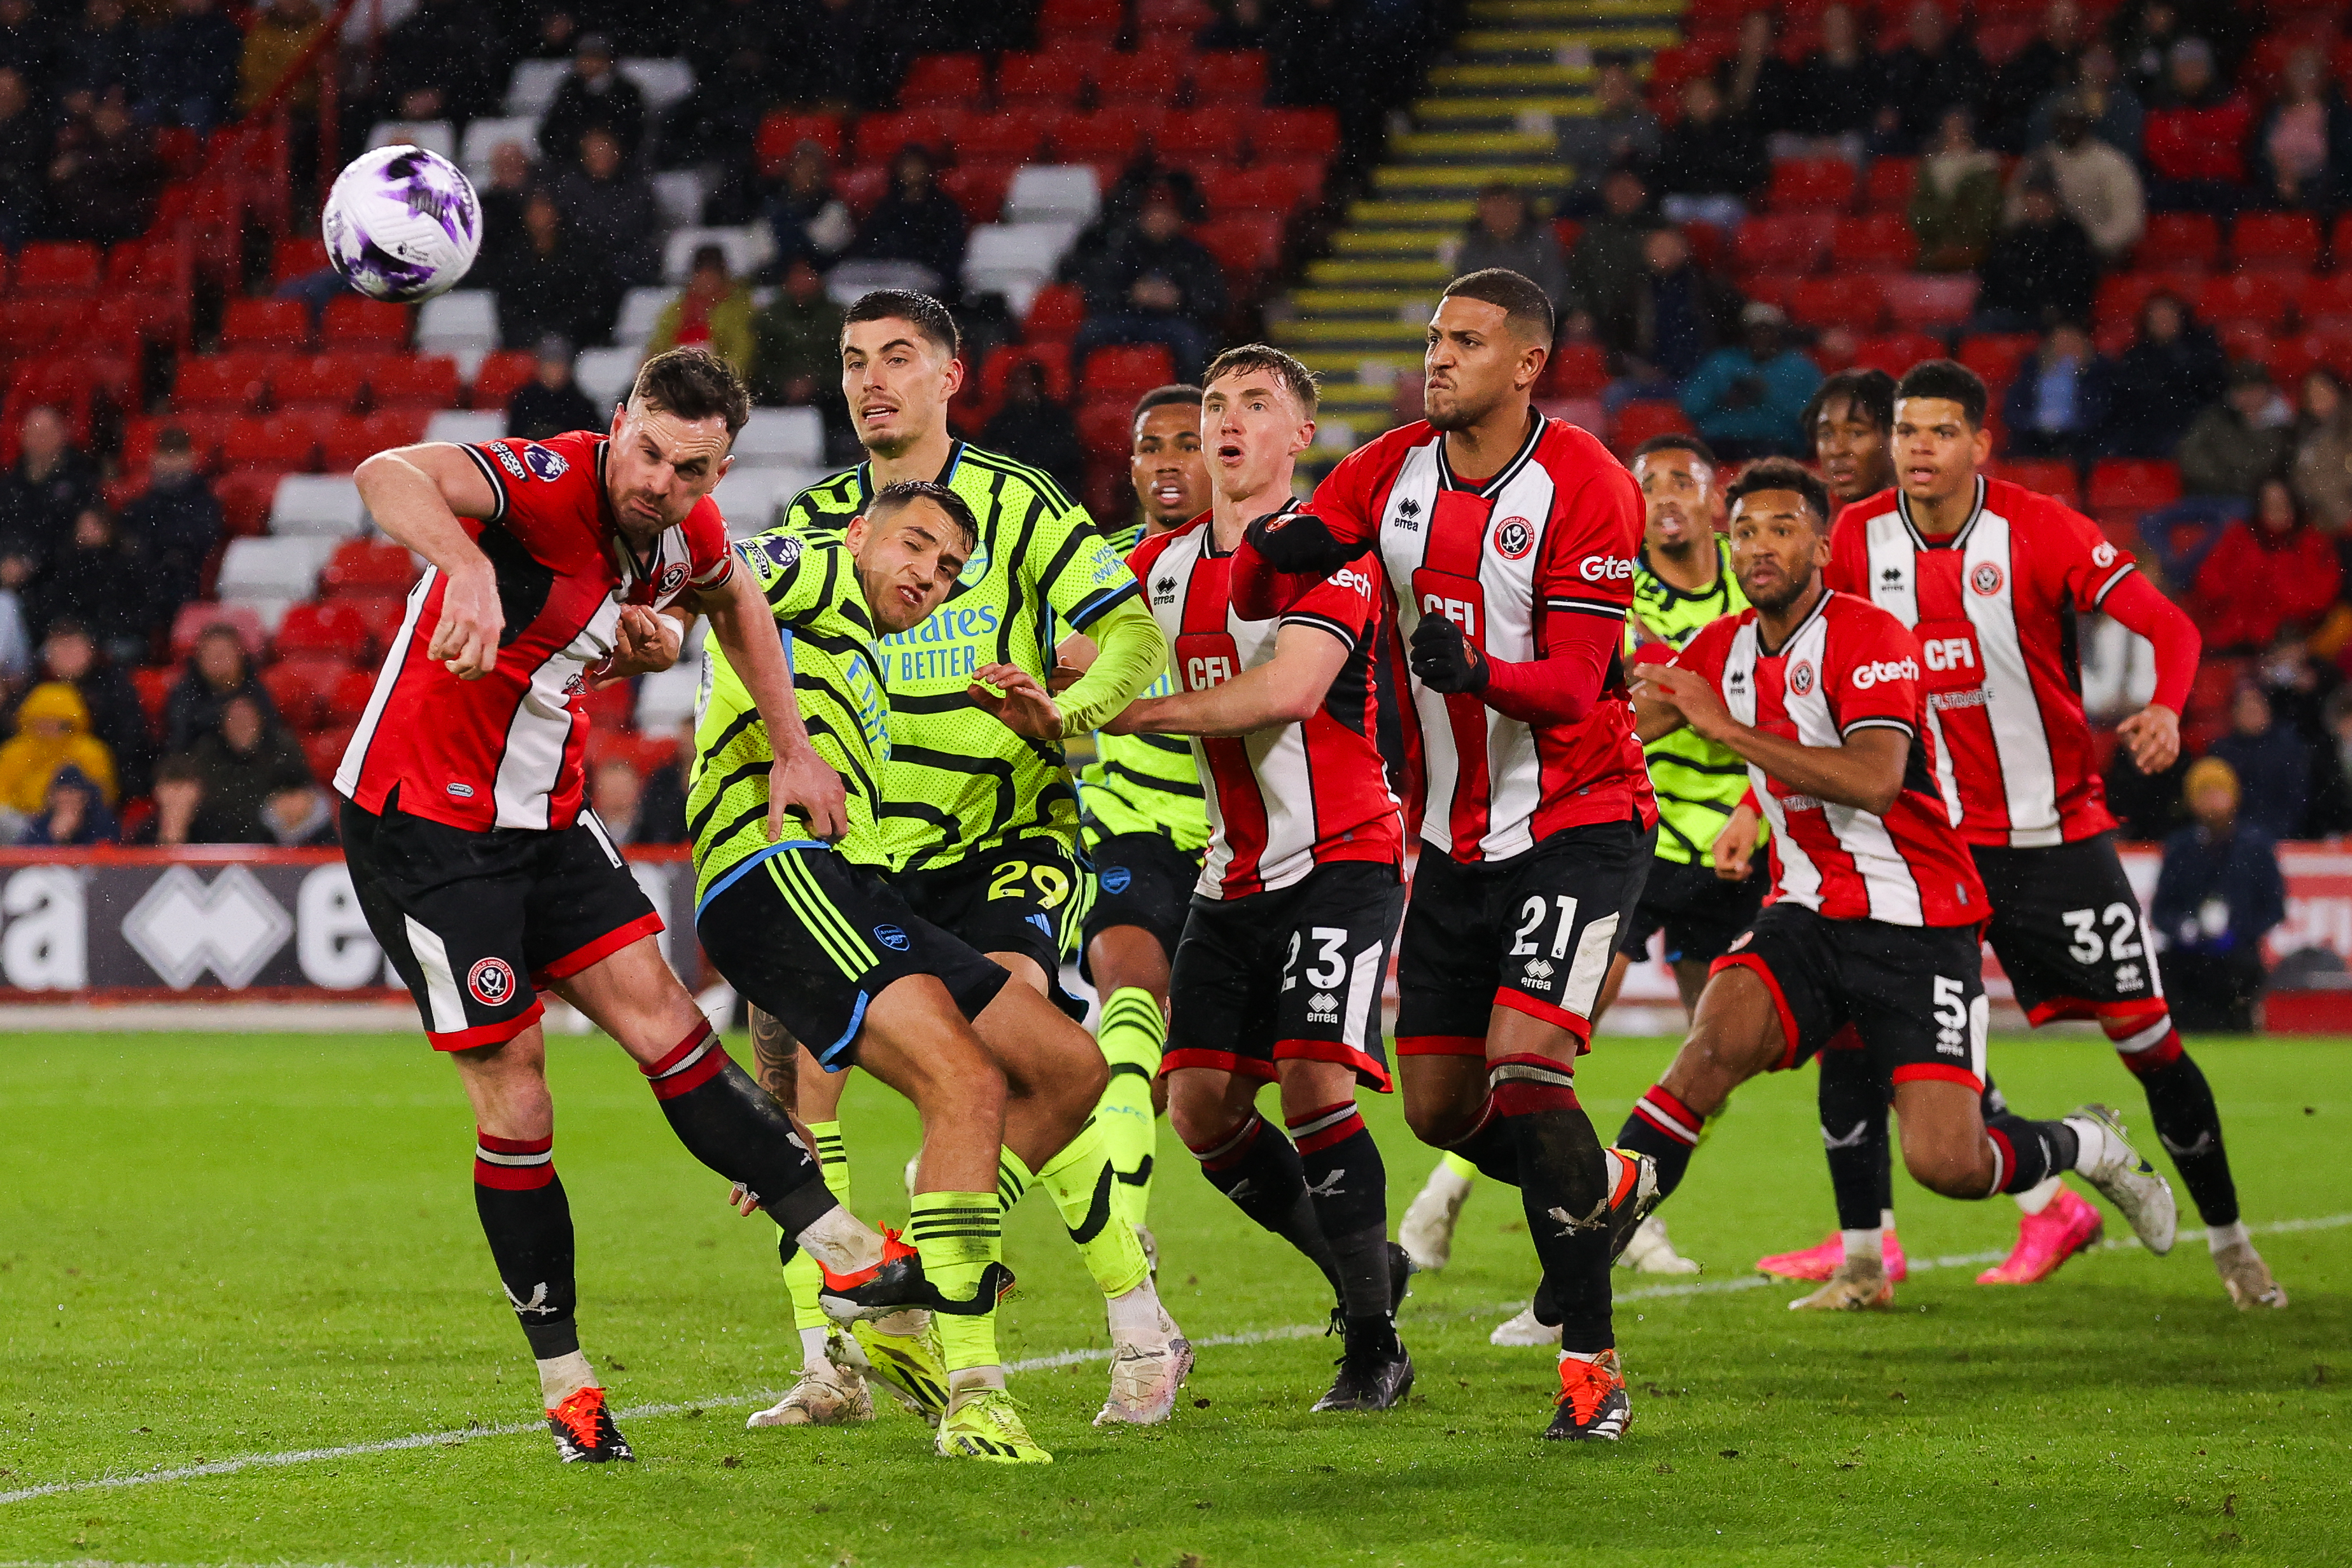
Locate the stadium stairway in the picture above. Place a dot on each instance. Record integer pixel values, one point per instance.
(1359, 317)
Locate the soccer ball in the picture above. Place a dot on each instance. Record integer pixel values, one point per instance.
(403, 224)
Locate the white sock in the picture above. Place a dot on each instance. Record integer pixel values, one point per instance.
(974, 1377)
(562, 1376)
(813, 1361)
(1864, 1243)
(842, 1242)
(1582, 1355)
(2223, 1236)
(1612, 1170)
(2092, 1141)
(1448, 1183)
(1886, 1221)
(1137, 1316)
(2036, 1198)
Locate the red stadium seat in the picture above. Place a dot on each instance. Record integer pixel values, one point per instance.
(154, 683)
(950, 79)
(152, 318)
(1924, 301)
(297, 257)
(1153, 76)
(229, 381)
(1279, 188)
(979, 188)
(1851, 300)
(195, 619)
(2123, 294)
(1996, 357)
(268, 442)
(2247, 295)
(782, 131)
(1127, 371)
(1036, 78)
(350, 442)
(60, 268)
(204, 431)
(1010, 135)
(2133, 484)
(2275, 242)
(1242, 245)
(321, 381)
(1296, 134)
(2181, 241)
(323, 750)
(1089, 16)
(382, 612)
(352, 322)
(1106, 427)
(1645, 418)
(1055, 314)
(265, 324)
(1575, 370)
(1897, 352)
(997, 373)
(1230, 76)
(1891, 180)
(1810, 184)
(1782, 242)
(367, 566)
(1200, 134)
(1874, 242)
(294, 688)
(427, 381)
(861, 189)
(880, 136)
(324, 626)
(246, 493)
(2044, 477)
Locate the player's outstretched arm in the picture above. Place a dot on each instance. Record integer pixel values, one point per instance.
(416, 494)
(1865, 772)
(1285, 689)
(745, 625)
(1130, 652)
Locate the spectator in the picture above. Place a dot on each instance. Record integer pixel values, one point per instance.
(1507, 233)
(102, 54)
(1035, 428)
(244, 762)
(1747, 401)
(1930, 72)
(52, 733)
(1712, 161)
(70, 655)
(179, 795)
(74, 816)
(2097, 187)
(1956, 201)
(2303, 153)
(1681, 314)
(25, 142)
(1605, 270)
(2299, 684)
(2331, 802)
(612, 212)
(616, 793)
(217, 669)
(434, 64)
(2058, 404)
(554, 286)
(2264, 573)
(2196, 136)
(2107, 98)
(796, 338)
(550, 402)
(1839, 91)
(2171, 370)
(503, 198)
(1620, 130)
(2218, 894)
(712, 311)
(2051, 61)
(661, 811)
(717, 123)
(190, 68)
(809, 221)
(2322, 465)
(104, 175)
(52, 483)
(594, 97)
(2241, 441)
(2143, 33)
(2040, 269)
(1759, 86)
(99, 580)
(300, 817)
(916, 222)
(175, 522)
(16, 640)
(1157, 285)
(281, 34)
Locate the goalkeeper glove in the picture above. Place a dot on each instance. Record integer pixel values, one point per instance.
(1444, 659)
(1300, 542)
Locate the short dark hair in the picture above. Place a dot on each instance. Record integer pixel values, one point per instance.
(1947, 379)
(694, 383)
(1302, 382)
(1870, 392)
(1521, 299)
(891, 497)
(1162, 396)
(710, 256)
(1678, 441)
(931, 319)
(1781, 474)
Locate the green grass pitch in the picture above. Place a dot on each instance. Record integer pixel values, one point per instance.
(218, 1249)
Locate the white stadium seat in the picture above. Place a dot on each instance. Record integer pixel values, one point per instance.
(850, 280)
(534, 85)
(433, 135)
(748, 249)
(460, 319)
(604, 375)
(322, 505)
(663, 81)
(748, 499)
(1016, 259)
(482, 139)
(679, 193)
(776, 437)
(666, 698)
(640, 308)
(273, 568)
(1052, 193)
(466, 424)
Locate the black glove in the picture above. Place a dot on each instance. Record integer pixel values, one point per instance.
(1302, 542)
(1444, 659)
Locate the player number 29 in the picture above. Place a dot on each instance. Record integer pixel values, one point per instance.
(1531, 918)
(1052, 885)
(1330, 965)
(2122, 942)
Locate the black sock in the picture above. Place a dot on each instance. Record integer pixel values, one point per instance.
(2027, 1153)
(1349, 1187)
(1665, 1130)
(2189, 1125)
(1490, 1146)
(528, 1223)
(1852, 1101)
(731, 1124)
(1259, 1170)
(1564, 1188)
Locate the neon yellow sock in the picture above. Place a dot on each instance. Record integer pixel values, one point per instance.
(803, 1277)
(958, 1234)
(1460, 1167)
(1082, 1182)
(1133, 1035)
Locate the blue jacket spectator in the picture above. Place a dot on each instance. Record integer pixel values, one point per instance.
(1747, 402)
(2218, 895)
(2270, 764)
(2058, 404)
(76, 815)
(191, 66)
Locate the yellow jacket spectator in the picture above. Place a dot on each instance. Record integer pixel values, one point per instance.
(713, 310)
(52, 730)
(280, 33)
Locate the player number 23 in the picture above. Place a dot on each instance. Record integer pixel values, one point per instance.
(1052, 885)
(1330, 965)
(2122, 942)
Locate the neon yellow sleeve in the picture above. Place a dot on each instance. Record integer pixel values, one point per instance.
(1132, 654)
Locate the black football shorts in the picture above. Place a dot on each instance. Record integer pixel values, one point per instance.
(2068, 930)
(1025, 897)
(1698, 911)
(1141, 879)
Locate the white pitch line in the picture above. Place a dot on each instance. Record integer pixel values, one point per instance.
(457, 1437)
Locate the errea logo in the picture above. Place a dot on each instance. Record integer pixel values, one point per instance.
(1867, 676)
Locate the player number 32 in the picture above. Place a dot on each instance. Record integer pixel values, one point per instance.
(2122, 942)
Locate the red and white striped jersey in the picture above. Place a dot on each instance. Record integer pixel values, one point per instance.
(505, 750)
(1993, 606)
(1848, 667)
(1284, 800)
(1553, 534)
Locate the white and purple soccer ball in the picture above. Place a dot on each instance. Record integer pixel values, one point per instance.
(403, 224)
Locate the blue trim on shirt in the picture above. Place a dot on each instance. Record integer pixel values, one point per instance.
(857, 1021)
(735, 873)
(1093, 609)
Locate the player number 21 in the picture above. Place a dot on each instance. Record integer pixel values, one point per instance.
(2121, 943)
(1532, 917)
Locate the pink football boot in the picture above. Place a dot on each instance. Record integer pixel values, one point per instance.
(1821, 1262)
(2047, 1240)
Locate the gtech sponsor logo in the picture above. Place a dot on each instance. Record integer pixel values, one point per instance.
(1867, 676)
(1348, 577)
(1605, 568)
